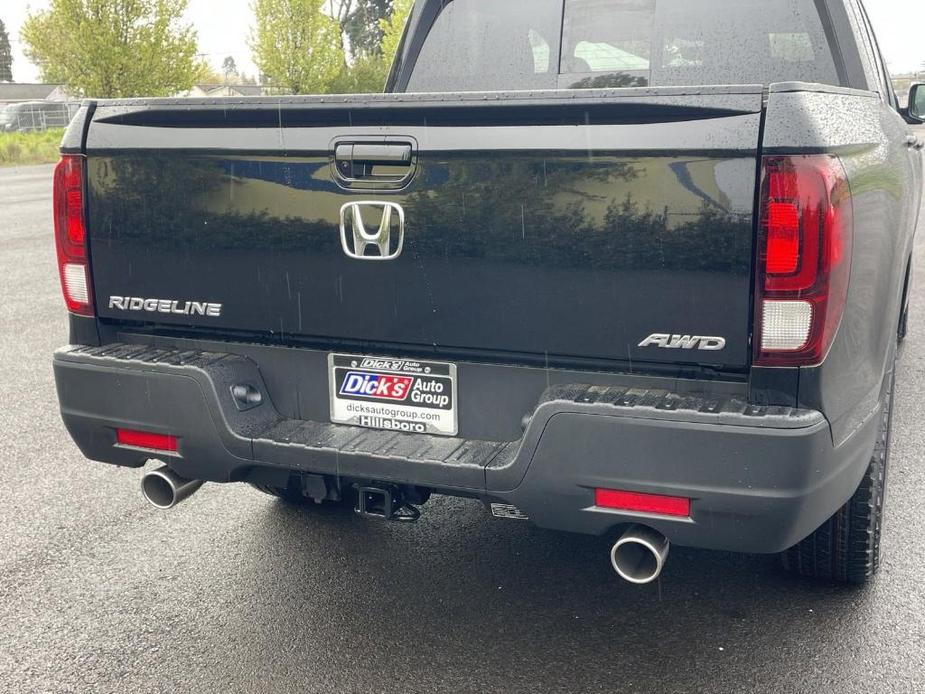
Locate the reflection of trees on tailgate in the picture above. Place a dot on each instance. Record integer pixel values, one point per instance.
(526, 211)
(163, 202)
(539, 211)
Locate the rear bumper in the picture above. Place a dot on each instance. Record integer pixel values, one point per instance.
(760, 478)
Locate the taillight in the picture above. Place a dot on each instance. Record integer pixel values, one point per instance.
(804, 258)
(71, 234)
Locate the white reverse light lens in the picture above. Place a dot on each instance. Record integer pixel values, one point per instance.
(785, 325)
(75, 283)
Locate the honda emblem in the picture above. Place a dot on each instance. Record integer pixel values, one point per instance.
(388, 218)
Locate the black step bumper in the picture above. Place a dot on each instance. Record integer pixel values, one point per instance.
(760, 478)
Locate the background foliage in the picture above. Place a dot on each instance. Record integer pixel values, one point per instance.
(30, 148)
(359, 21)
(368, 33)
(296, 46)
(113, 49)
(393, 27)
(128, 48)
(6, 55)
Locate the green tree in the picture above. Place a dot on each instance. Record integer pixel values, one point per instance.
(368, 70)
(229, 69)
(393, 27)
(362, 25)
(206, 74)
(364, 75)
(102, 48)
(296, 45)
(6, 55)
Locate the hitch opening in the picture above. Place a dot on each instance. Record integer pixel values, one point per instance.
(386, 503)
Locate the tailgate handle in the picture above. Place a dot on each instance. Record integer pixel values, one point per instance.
(377, 165)
(375, 154)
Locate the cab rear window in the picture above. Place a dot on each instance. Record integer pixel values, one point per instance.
(481, 45)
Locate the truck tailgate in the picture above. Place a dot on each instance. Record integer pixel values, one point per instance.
(561, 226)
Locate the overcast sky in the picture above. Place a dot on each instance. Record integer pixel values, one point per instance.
(223, 27)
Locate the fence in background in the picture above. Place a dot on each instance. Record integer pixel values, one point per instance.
(37, 115)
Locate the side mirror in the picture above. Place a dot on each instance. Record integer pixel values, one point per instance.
(916, 110)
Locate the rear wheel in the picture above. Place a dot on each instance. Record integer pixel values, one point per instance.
(846, 549)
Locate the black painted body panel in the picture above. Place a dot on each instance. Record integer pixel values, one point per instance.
(535, 225)
(885, 177)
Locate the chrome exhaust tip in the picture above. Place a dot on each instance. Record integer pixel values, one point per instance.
(639, 555)
(163, 488)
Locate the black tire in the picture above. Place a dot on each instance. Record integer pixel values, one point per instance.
(846, 549)
(294, 496)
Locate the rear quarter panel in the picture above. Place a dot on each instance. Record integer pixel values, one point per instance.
(869, 137)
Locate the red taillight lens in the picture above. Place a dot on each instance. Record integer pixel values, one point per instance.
(804, 258)
(642, 503)
(71, 234)
(145, 439)
(783, 249)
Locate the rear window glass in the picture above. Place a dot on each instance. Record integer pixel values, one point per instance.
(487, 45)
(483, 45)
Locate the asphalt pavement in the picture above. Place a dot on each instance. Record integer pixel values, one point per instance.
(236, 592)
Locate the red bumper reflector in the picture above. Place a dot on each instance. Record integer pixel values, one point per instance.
(642, 503)
(145, 439)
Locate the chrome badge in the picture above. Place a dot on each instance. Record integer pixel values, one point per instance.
(172, 306)
(388, 218)
(706, 344)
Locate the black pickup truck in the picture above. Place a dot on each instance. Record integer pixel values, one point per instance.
(616, 267)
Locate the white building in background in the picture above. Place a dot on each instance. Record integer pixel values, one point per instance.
(202, 91)
(16, 92)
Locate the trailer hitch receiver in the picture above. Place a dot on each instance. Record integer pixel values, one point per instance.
(386, 503)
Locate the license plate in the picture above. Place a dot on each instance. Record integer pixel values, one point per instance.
(417, 397)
